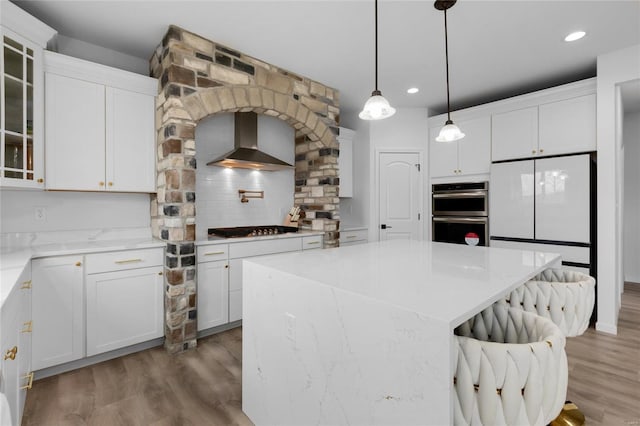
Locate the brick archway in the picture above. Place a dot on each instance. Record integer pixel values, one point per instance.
(199, 78)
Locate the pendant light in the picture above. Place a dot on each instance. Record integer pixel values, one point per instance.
(376, 107)
(450, 132)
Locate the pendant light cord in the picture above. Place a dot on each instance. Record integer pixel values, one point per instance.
(446, 55)
(376, 28)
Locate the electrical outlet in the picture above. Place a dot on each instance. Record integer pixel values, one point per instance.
(290, 326)
(40, 214)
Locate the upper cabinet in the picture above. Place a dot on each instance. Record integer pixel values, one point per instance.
(468, 156)
(345, 162)
(100, 133)
(515, 134)
(566, 126)
(23, 39)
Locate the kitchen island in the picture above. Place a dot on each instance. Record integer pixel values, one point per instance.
(364, 334)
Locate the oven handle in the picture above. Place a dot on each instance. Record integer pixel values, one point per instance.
(461, 194)
(461, 219)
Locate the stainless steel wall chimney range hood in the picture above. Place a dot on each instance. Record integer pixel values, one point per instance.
(245, 154)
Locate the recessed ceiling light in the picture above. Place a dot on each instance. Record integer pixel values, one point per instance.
(413, 90)
(577, 35)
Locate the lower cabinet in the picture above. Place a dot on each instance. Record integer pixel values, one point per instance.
(16, 375)
(235, 290)
(353, 237)
(58, 311)
(124, 308)
(213, 291)
(87, 305)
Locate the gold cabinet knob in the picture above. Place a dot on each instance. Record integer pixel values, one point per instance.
(78, 263)
(110, 183)
(541, 150)
(28, 327)
(101, 183)
(40, 180)
(533, 151)
(26, 285)
(11, 353)
(159, 273)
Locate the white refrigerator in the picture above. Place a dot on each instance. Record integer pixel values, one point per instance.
(544, 204)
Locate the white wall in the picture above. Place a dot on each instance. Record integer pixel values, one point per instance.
(407, 130)
(101, 55)
(613, 68)
(217, 202)
(631, 226)
(354, 211)
(67, 211)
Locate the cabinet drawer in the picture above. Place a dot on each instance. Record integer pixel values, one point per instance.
(258, 248)
(122, 260)
(313, 242)
(212, 253)
(568, 253)
(360, 235)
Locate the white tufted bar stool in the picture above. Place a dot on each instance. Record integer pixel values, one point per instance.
(565, 297)
(511, 369)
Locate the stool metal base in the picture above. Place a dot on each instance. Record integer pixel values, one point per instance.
(569, 416)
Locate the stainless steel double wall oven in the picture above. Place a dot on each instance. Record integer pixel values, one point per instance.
(461, 213)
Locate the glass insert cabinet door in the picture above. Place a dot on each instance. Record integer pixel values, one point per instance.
(21, 145)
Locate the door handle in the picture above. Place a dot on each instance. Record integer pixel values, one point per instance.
(384, 226)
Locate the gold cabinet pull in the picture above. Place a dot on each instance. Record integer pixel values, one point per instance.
(29, 378)
(351, 236)
(11, 353)
(40, 180)
(122, 262)
(25, 285)
(78, 263)
(101, 183)
(213, 253)
(313, 242)
(159, 273)
(28, 327)
(110, 183)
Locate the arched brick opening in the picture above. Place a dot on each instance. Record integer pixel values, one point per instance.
(199, 78)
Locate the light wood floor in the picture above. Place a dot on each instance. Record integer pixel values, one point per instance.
(203, 386)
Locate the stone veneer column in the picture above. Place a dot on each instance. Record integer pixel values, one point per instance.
(199, 78)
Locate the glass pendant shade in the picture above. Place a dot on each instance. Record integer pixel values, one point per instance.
(377, 107)
(449, 133)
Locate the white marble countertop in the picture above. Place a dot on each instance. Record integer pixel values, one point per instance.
(446, 282)
(222, 240)
(13, 259)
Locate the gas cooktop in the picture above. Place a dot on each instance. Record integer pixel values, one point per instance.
(250, 231)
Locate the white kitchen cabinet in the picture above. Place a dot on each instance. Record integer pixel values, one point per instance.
(345, 162)
(312, 242)
(351, 237)
(568, 126)
(22, 40)
(125, 304)
(16, 376)
(514, 134)
(468, 156)
(57, 310)
(511, 199)
(213, 294)
(565, 126)
(235, 290)
(100, 133)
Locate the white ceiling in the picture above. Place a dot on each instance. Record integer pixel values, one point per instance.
(496, 48)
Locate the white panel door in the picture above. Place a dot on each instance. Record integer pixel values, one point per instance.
(400, 195)
(511, 199)
(57, 298)
(562, 198)
(514, 134)
(474, 150)
(74, 138)
(443, 156)
(130, 141)
(124, 308)
(568, 126)
(213, 294)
